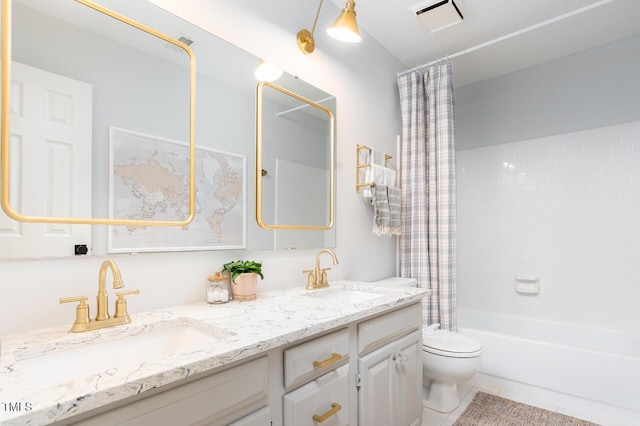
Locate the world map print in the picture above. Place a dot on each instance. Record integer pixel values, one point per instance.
(149, 180)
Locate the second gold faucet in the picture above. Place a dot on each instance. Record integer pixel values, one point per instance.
(317, 278)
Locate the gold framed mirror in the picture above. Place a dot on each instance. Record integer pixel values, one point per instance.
(295, 156)
(9, 177)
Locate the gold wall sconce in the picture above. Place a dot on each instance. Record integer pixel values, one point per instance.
(345, 28)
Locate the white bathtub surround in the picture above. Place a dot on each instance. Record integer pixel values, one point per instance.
(597, 364)
(247, 328)
(562, 208)
(428, 240)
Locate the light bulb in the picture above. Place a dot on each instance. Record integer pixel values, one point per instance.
(267, 72)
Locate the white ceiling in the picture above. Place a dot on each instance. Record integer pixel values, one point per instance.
(394, 26)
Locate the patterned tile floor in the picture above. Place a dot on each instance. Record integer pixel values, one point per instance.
(603, 414)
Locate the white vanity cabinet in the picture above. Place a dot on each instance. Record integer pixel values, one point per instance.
(390, 369)
(321, 367)
(366, 372)
(262, 417)
(235, 394)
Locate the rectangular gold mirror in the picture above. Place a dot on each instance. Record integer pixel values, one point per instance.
(295, 146)
(141, 93)
(28, 149)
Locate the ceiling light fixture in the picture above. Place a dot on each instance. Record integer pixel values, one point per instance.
(345, 28)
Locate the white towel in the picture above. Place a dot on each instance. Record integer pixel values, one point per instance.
(389, 177)
(377, 157)
(364, 156)
(378, 175)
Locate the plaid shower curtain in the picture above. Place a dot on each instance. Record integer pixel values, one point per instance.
(428, 240)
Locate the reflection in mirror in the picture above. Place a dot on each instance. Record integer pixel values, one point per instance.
(294, 158)
(124, 76)
(58, 116)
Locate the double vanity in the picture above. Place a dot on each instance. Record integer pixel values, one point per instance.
(345, 354)
(342, 354)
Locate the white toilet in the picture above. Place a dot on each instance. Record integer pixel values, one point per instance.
(448, 359)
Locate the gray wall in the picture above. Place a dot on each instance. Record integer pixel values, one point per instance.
(593, 88)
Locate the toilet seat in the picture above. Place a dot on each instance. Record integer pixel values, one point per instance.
(451, 344)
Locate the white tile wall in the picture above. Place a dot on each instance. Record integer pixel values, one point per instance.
(565, 208)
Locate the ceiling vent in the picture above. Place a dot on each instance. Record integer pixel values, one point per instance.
(437, 16)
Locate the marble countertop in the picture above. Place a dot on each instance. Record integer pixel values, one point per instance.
(238, 329)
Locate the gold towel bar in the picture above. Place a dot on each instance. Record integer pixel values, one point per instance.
(360, 165)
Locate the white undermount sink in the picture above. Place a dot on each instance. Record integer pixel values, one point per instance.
(343, 295)
(106, 357)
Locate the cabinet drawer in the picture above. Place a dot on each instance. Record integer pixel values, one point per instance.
(309, 360)
(377, 332)
(212, 400)
(326, 397)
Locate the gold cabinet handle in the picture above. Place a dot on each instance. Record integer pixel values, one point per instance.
(334, 358)
(335, 407)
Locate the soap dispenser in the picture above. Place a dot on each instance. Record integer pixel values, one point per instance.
(218, 290)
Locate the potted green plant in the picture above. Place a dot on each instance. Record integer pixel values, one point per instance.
(244, 278)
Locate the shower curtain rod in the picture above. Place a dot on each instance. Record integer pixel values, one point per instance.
(508, 36)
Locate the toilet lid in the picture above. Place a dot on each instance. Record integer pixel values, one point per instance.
(448, 343)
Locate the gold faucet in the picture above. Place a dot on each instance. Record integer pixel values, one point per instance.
(318, 277)
(103, 319)
(103, 298)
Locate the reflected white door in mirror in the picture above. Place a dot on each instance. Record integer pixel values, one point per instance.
(51, 128)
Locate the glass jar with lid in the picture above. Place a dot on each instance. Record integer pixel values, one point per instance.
(218, 290)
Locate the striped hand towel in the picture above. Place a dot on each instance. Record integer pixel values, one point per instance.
(393, 195)
(386, 210)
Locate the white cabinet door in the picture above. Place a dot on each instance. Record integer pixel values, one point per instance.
(51, 126)
(262, 417)
(323, 401)
(391, 384)
(408, 368)
(377, 378)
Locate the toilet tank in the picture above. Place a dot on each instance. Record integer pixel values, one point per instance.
(397, 282)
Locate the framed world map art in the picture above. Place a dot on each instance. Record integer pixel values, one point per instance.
(149, 179)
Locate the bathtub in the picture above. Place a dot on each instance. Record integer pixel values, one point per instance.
(594, 363)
